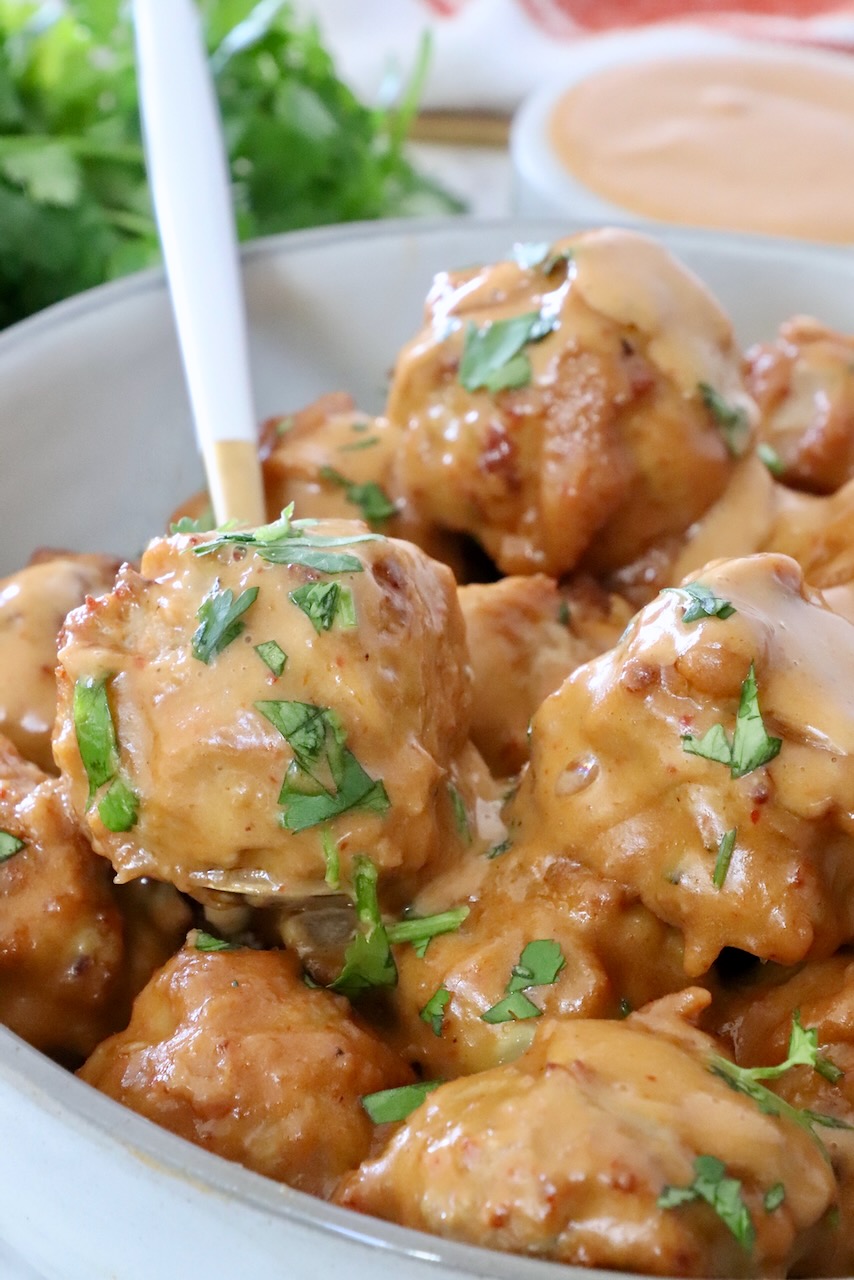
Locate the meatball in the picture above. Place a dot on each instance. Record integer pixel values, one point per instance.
(586, 406)
(594, 931)
(266, 721)
(708, 762)
(758, 1021)
(803, 384)
(61, 934)
(573, 1151)
(525, 637)
(33, 605)
(232, 1050)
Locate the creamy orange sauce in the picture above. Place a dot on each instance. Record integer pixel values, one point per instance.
(748, 144)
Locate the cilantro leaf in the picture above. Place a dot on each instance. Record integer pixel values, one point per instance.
(202, 524)
(10, 845)
(118, 809)
(751, 746)
(771, 458)
(288, 541)
(390, 1105)
(530, 256)
(704, 603)
(371, 499)
(368, 961)
(774, 1197)
(96, 735)
(273, 656)
(502, 847)
(433, 1012)
(515, 1007)
(220, 621)
(732, 419)
(325, 603)
(207, 942)
(461, 816)
(723, 1194)
(724, 858)
(493, 359)
(333, 861)
(420, 929)
(714, 745)
(539, 965)
(357, 445)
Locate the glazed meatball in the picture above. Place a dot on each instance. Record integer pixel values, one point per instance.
(803, 384)
(265, 721)
(525, 636)
(231, 1050)
(567, 1153)
(61, 934)
(594, 932)
(570, 409)
(708, 762)
(33, 605)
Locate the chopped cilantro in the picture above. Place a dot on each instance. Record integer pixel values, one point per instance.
(96, 740)
(732, 419)
(461, 816)
(324, 779)
(289, 541)
(368, 961)
(418, 930)
(774, 1197)
(725, 852)
(433, 1012)
(751, 745)
(10, 845)
(325, 603)
(220, 620)
(703, 602)
(539, 255)
(390, 1105)
(202, 524)
(273, 656)
(563, 615)
(624, 1008)
(723, 1194)
(502, 847)
(356, 445)
(333, 861)
(493, 359)
(285, 425)
(371, 499)
(539, 965)
(207, 942)
(769, 455)
(118, 809)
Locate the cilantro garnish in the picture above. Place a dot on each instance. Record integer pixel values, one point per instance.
(433, 1012)
(723, 1194)
(493, 359)
(774, 1197)
(368, 961)
(529, 256)
(289, 541)
(624, 1008)
(324, 779)
(333, 861)
(563, 613)
(751, 745)
(273, 656)
(96, 742)
(724, 858)
(771, 458)
(461, 816)
(539, 965)
(356, 445)
(418, 930)
(371, 499)
(497, 849)
(220, 620)
(704, 602)
(732, 419)
(202, 524)
(390, 1105)
(325, 603)
(207, 942)
(10, 845)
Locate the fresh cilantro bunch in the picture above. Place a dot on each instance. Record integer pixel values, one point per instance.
(74, 202)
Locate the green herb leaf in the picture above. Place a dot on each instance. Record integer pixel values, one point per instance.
(497, 849)
(625, 1008)
(774, 1197)
(714, 745)
(531, 256)
(203, 524)
(118, 808)
(357, 445)
(220, 621)
(333, 861)
(10, 845)
(703, 602)
(771, 458)
(752, 746)
(96, 736)
(371, 499)
(539, 965)
(273, 656)
(725, 852)
(289, 541)
(732, 419)
(391, 1105)
(512, 1008)
(433, 1012)
(418, 930)
(563, 614)
(207, 942)
(368, 961)
(723, 1194)
(325, 603)
(492, 357)
(461, 816)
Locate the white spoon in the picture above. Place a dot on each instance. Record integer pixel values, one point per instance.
(189, 180)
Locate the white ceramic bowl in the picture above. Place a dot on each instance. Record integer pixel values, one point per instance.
(543, 186)
(96, 450)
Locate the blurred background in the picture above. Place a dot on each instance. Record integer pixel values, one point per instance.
(334, 111)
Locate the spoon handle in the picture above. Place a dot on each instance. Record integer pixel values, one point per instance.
(190, 186)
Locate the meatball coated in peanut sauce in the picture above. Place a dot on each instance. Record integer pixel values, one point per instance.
(596, 931)
(231, 1050)
(708, 762)
(33, 604)
(567, 1153)
(561, 411)
(271, 720)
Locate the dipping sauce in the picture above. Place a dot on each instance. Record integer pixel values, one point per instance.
(735, 142)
